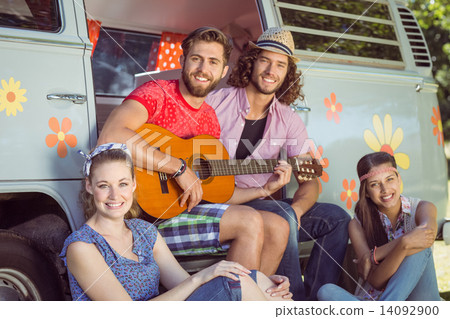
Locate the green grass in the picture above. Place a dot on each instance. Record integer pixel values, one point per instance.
(441, 255)
(441, 252)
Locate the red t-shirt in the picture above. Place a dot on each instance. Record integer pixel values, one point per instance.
(167, 108)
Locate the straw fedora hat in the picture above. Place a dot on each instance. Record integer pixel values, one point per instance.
(276, 40)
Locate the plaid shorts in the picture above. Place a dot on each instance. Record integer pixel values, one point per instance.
(196, 232)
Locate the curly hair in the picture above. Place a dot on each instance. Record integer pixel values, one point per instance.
(288, 92)
(87, 200)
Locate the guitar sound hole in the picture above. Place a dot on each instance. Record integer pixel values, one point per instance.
(202, 168)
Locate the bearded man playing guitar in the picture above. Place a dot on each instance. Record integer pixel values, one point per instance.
(255, 112)
(253, 238)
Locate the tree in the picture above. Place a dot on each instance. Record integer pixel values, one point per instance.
(434, 19)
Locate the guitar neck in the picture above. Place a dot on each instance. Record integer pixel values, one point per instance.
(246, 166)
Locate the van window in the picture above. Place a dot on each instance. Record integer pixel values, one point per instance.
(118, 56)
(337, 29)
(40, 15)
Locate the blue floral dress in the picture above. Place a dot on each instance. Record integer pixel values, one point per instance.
(139, 278)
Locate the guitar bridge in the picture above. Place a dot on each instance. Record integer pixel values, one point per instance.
(163, 182)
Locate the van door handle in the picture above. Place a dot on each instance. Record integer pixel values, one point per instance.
(77, 99)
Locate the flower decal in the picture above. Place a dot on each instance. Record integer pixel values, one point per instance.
(334, 108)
(317, 153)
(348, 194)
(61, 137)
(11, 97)
(385, 141)
(437, 130)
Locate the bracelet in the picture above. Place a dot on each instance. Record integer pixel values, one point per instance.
(371, 257)
(181, 170)
(373, 254)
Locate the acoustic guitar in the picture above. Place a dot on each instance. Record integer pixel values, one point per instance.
(159, 195)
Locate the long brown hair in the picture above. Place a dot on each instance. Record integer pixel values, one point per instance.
(366, 210)
(288, 92)
(87, 199)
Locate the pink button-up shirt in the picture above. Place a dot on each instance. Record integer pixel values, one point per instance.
(284, 130)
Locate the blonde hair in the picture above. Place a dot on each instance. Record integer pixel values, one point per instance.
(87, 199)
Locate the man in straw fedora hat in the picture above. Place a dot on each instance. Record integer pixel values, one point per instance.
(257, 122)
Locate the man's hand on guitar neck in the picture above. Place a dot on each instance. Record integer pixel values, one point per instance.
(281, 176)
(192, 188)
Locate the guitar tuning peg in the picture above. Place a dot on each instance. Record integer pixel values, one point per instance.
(312, 170)
(162, 176)
(307, 170)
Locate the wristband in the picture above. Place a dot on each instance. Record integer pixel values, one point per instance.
(181, 170)
(374, 258)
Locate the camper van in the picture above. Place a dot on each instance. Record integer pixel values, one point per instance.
(65, 64)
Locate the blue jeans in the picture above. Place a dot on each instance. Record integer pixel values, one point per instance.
(325, 223)
(220, 289)
(415, 279)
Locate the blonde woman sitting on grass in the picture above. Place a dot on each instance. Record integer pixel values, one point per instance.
(115, 256)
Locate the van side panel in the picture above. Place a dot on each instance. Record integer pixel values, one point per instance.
(39, 137)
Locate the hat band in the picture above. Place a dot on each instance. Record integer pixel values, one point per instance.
(275, 44)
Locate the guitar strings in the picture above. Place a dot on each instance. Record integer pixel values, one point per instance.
(222, 167)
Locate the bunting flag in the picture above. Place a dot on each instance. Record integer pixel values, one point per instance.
(94, 32)
(169, 51)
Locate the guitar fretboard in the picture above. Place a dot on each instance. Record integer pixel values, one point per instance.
(246, 166)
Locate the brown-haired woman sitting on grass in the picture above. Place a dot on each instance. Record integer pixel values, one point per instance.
(392, 235)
